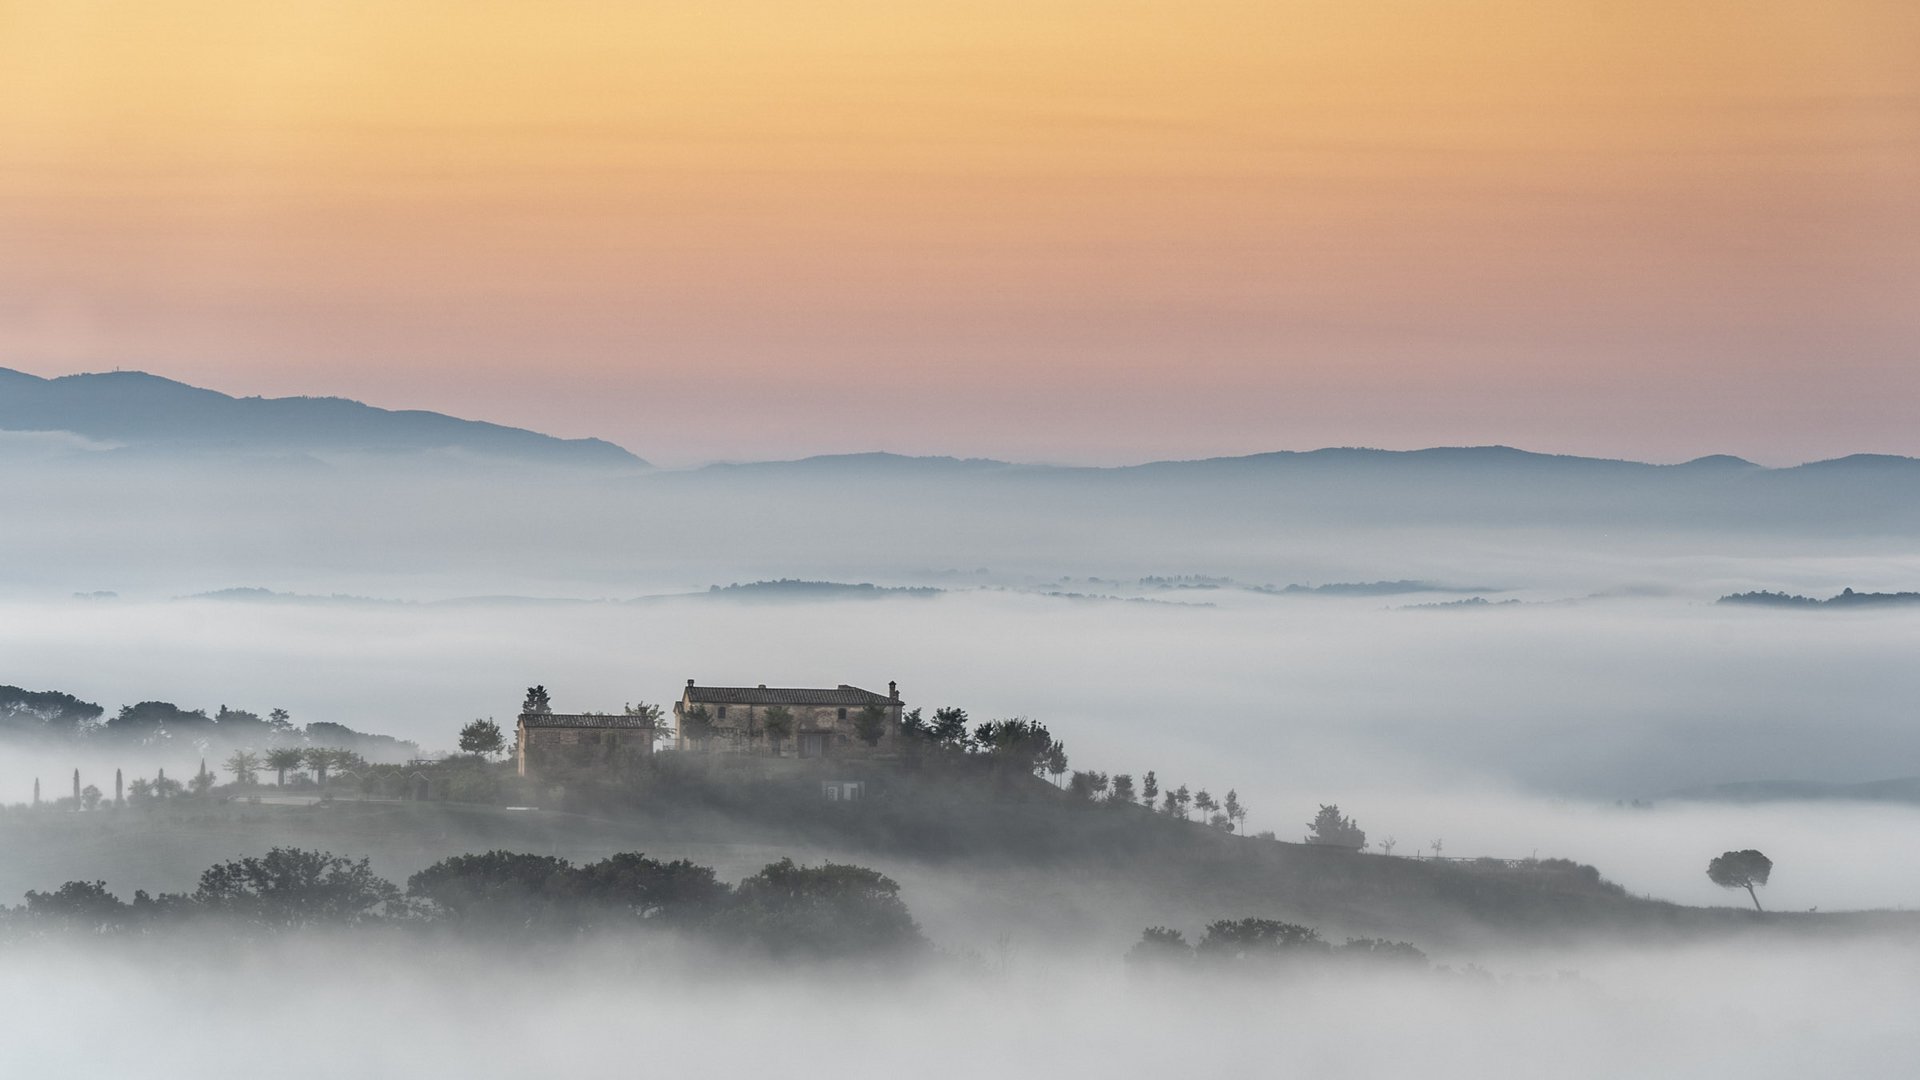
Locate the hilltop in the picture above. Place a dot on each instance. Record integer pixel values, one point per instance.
(1846, 598)
(146, 413)
(978, 865)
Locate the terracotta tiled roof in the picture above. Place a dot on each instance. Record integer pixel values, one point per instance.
(843, 696)
(583, 720)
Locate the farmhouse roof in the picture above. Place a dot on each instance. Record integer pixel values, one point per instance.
(583, 720)
(842, 695)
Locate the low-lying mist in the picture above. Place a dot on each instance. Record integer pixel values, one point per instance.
(425, 529)
(1505, 731)
(318, 1007)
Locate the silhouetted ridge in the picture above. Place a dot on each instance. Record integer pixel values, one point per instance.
(144, 411)
(1846, 598)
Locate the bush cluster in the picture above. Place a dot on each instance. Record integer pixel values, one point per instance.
(786, 910)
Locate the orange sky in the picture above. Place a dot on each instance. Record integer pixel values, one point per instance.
(1039, 229)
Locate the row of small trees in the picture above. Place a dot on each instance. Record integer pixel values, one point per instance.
(244, 765)
(786, 909)
(49, 714)
(1226, 814)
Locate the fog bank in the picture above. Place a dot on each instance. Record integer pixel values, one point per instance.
(317, 1008)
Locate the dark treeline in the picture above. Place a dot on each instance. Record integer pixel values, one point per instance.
(1845, 598)
(1262, 942)
(785, 911)
(1024, 745)
(55, 716)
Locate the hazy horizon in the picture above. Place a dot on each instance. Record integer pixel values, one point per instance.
(652, 457)
(1046, 231)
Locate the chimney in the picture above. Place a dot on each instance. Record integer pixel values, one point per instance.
(763, 686)
(893, 690)
(689, 682)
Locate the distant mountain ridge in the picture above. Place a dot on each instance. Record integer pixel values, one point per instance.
(1902, 789)
(1436, 457)
(1846, 598)
(1474, 486)
(1860, 494)
(147, 412)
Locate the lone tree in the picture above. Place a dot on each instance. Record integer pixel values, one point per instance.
(538, 702)
(482, 737)
(320, 759)
(949, 727)
(283, 758)
(243, 764)
(1159, 946)
(1328, 827)
(202, 781)
(870, 725)
(1020, 744)
(697, 727)
(1257, 940)
(829, 910)
(1057, 760)
(777, 722)
(1741, 870)
(652, 714)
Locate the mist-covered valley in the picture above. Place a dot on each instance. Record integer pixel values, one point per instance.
(1527, 685)
(996, 540)
(1729, 1010)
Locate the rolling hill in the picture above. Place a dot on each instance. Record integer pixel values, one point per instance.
(145, 413)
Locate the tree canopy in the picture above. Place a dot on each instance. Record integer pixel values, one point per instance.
(482, 737)
(833, 909)
(1741, 870)
(1257, 939)
(870, 724)
(46, 712)
(1329, 827)
(291, 887)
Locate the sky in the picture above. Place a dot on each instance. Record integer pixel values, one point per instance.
(1034, 229)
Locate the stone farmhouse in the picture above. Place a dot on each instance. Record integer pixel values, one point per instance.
(556, 744)
(824, 723)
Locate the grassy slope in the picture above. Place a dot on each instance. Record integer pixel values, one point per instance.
(1021, 867)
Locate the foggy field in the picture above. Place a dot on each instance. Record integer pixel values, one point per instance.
(320, 1008)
